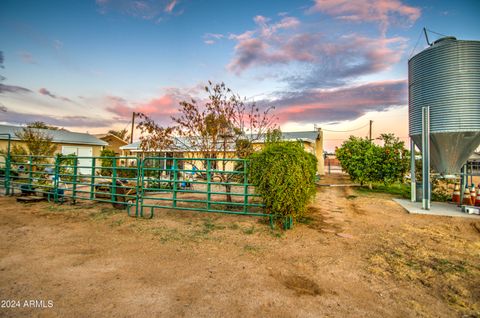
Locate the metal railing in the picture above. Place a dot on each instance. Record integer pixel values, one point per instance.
(199, 184)
(195, 184)
(64, 177)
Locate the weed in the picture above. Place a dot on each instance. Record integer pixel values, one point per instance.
(251, 248)
(305, 220)
(117, 222)
(249, 230)
(164, 233)
(55, 208)
(277, 233)
(104, 214)
(234, 226)
(209, 226)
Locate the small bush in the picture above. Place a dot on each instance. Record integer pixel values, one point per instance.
(107, 163)
(284, 175)
(66, 164)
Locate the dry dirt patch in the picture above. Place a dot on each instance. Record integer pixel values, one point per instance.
(92, 260)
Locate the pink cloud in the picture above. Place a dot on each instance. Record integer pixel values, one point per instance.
(170, 6)
(340, 104)
(333, 59)
(267, 29)
(268, 44)
(159, 108)
(381, 11)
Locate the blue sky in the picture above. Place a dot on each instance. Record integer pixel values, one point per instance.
(86, 65)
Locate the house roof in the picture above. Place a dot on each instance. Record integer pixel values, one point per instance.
(58, 136)
(105, 137)
(309, 136)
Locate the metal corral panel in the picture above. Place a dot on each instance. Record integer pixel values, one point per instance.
(446, 77)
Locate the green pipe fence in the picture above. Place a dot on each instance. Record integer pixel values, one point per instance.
(76, 178)
(6, 170)
(190, 184)
(198, 184)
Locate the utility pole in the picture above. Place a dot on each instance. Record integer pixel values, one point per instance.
(370, 131)
(133, 127)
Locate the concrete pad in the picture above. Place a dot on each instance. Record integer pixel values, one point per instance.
(436, 208)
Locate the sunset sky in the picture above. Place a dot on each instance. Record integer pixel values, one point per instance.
(87, 65)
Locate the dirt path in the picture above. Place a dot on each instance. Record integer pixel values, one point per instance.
(355, 255)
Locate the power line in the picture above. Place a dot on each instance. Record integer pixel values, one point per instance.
(339, 131)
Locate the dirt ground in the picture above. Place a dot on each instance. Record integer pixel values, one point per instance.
(355, 255)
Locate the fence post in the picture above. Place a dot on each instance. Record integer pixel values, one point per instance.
(175, 179)
(245, 186)
(56, 177)
(209, 179)
(74, 180)
(30, 172)
(92, 180)
(114, 180)
(6, 181)
(139, 187)
(7, 173)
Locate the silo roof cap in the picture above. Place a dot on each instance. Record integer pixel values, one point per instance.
(444, 39)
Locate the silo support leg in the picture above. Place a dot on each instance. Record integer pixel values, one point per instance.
(413, 187)
(426, 158)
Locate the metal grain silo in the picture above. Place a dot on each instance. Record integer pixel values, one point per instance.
(446, 77)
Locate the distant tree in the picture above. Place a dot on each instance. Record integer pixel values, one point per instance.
(35, 143)
(360, 159)
(122, 134)
(224, 123)
(395, 161)
(41, 125)
(367, 162)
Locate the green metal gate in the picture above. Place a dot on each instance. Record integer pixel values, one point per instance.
(198, 184)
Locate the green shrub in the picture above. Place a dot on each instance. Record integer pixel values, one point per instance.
(368, 163)
(284, 175)
(66, 164)
(107, 163)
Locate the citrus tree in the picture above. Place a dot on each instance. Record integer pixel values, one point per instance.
(367, 162)
(395, 161)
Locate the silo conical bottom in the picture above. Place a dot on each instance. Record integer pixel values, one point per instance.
(450, 151)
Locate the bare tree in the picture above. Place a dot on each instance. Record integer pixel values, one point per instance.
(223, 126)
(41, 125)
(37, 144)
